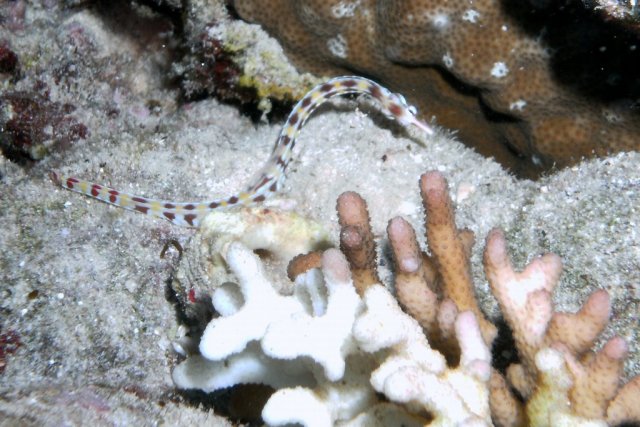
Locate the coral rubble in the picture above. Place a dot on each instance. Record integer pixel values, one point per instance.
(501, 73)
(342, 341)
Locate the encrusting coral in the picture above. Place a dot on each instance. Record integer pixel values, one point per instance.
(502, 73)
(342, 353)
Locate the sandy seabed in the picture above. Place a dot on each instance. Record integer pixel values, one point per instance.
(83, 287)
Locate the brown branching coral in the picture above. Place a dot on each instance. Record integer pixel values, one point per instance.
(450, 248)
(625, 406)
(356, 243)
(506, 409)
(528, 311)
(500, 72)
(302, 263)
(434, 288)
(415, 275)
(559, 379)
(356, 239)
(556, 364)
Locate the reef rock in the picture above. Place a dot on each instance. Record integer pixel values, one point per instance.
(533, 87)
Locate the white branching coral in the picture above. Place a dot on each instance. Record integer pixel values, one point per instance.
(418, 376)
(254, 311)
(243, 307)
(326, 339)
(332, 364)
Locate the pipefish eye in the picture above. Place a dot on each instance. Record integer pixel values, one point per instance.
(403, 101)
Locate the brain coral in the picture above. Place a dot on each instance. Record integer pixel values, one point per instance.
(533, 88)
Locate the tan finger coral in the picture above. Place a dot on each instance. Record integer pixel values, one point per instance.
(413, 285)
(562, 381)
(625, 406)
(416, 283)
(525, 301)
(449, 249)
(493, 71)
(426, 286)
(559, 377)
(356, 239)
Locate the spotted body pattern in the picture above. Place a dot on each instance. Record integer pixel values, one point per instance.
(271, 178)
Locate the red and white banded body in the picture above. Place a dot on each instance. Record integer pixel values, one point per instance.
(271, 178)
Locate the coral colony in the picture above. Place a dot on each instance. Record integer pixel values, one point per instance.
(343, 349)
(510, 59)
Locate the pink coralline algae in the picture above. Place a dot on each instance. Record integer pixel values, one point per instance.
(210, 68)
(9, 344)
(8, 59)
(30, 123)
